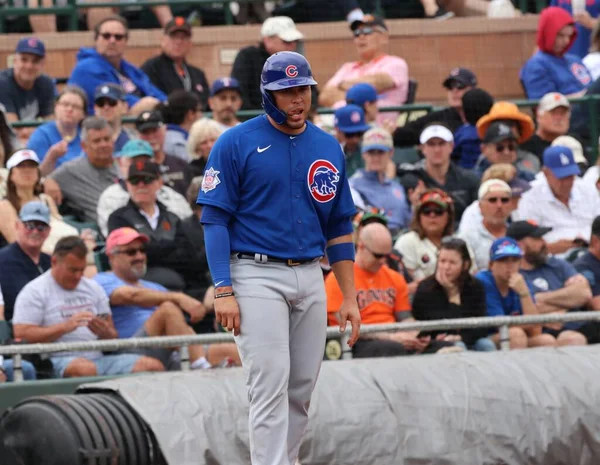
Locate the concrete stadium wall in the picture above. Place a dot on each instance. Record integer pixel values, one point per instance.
(494, 48)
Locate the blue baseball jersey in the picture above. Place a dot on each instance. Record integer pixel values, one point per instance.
(285, 194)
(544, 73)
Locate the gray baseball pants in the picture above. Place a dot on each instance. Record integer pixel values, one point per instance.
(283, 314)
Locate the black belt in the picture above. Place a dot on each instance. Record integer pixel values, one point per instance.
(262, 258)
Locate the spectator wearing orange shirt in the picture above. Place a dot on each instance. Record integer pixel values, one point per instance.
(382, 296)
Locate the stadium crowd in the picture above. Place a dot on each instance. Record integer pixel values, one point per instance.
(476, 209)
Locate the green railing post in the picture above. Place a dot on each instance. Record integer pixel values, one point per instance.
(228, 15)
(379, 8)
(73, 16)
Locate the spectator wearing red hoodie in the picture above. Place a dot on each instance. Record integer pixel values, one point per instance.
(551, 68)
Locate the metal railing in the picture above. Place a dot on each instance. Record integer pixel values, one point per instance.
(111, 345)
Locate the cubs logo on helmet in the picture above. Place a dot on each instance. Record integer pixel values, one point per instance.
(291, 71)
(322, 179)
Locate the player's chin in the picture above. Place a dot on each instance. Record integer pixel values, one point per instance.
(296, 121)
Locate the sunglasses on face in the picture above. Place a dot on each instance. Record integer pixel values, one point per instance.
(378, 256)
(436, 211)
(367, 31)
(39, 227)
(102, 102)
(354, 135)
(135, 180)
(133, 252)
(456, 86)
(499, 199)
(108, 35)
(503, 147)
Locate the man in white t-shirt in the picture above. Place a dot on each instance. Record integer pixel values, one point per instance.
(64, 306)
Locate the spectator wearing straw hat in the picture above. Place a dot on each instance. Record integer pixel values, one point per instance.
(371, 182)
(561, 200)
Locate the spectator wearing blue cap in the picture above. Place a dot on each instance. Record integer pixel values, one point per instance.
(225, 101)
(365, 96)
(27, 93)
(561, 200)
(375, 188)
(110, 104)
(170, 70)
(507, 293)
(350, 125)
(105, 63)
(116, 195)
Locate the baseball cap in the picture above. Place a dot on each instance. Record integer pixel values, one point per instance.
(20, 156)
(521, 229)
(518, 186)
(35, 211)
(123, 236)
(377, 139)
(31, 45)
(136, 148)
(493, 185)
(178, 23)
(553, 100)
(144, 168)
(148, 120)
(498, 131)
(436, 196)
(369, 20)
(110, 90)
(282, 27)
(224, 83)
(461, 75)
(436, 131)
(350, 119)
(361, 93)
(505, 247)
(373, 217)
(574, 145)
(559, 159)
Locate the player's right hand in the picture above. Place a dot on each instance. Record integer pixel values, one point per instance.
(227, 314)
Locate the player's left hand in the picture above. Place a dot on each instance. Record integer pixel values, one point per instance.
(349, 313)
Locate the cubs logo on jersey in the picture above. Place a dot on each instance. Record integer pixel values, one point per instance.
(581, 73)
(322, 180)
(210, 180)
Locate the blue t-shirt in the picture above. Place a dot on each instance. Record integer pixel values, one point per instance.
(128, 319)
(544, 73)
(497, 304)
(581, 45)
(46, 135)
(467, 146)
(589, 266)
(388, 195)
(121, 140)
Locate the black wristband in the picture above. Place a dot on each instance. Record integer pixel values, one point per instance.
(224, 294)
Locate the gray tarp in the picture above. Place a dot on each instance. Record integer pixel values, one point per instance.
(536, 406)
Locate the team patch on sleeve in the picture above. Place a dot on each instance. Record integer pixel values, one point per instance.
(210, 180)
(322, 179)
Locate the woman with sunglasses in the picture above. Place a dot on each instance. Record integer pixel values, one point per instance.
(24, 186)
(453, 293)
(433, 220)
(58, 141)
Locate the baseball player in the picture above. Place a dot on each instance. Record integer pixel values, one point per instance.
(276, 199)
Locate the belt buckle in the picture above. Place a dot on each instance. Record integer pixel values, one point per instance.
(291, 262)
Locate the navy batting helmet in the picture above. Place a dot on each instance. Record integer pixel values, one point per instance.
(281, 71)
